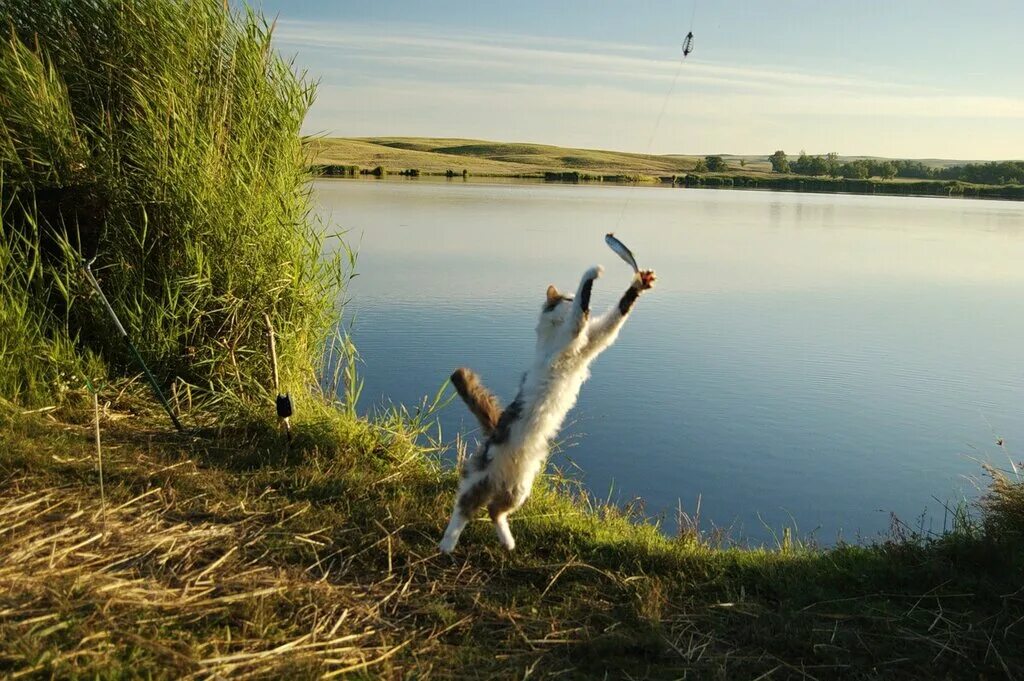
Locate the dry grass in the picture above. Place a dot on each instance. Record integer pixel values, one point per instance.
(369, 154)
(1004, 503)
(81, 591)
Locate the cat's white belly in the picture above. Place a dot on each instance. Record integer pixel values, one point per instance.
(514, 468)
(517, 461)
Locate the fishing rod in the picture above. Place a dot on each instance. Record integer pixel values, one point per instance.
(87, 268)
(283, 401)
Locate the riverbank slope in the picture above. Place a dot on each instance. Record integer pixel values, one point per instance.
(229, 552)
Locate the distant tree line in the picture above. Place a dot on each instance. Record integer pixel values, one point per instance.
(994, 172)
(802, 183)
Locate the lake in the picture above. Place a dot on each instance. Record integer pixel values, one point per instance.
(817, 361)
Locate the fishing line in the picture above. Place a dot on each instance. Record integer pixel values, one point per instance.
(650, 140)
(664, 106)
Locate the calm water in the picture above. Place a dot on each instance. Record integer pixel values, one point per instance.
(816, 360)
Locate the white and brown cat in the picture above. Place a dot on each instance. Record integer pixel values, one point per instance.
(500, 474)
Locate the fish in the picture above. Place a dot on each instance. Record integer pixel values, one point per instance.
(621, 250)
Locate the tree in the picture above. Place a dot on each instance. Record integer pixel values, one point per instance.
(888, 170)
(855, 169)
(700, 166)
(802, 164)
(715, 163)
(810, 165)
(913, 169)
(832, 164)
(780, 164)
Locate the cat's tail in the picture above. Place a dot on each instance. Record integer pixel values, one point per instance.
(479, 399)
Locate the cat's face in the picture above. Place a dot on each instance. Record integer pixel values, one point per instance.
(554, 317)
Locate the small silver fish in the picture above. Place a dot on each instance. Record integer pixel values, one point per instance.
(621, 250)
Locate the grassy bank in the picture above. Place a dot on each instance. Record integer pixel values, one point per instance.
(379, 156)
(229, 553)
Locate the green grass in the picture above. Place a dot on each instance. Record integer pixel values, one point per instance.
(228, 552)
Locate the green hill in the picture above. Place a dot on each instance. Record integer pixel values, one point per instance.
(436, 155)
(481, 157)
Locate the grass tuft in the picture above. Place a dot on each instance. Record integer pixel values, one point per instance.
(1004, 503)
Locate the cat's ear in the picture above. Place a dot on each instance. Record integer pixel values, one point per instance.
(553, 294)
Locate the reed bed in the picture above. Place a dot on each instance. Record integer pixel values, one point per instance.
(162, 138)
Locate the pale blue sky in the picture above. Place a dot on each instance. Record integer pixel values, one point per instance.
(903, 79)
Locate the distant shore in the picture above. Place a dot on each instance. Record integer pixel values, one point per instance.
(476, 160)
(786, 183)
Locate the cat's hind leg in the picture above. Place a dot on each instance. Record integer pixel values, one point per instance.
(474, 493)
(501, 505)
(452, 532)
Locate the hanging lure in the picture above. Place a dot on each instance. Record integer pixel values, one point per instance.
(688, 44)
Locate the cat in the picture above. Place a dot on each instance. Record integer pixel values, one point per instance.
(500, 474)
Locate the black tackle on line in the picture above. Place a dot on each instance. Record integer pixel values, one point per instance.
(688, 44)
(87, 268)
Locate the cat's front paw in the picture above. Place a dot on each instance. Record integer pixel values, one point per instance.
(644, 280)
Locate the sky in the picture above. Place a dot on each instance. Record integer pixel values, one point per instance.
(908, 79)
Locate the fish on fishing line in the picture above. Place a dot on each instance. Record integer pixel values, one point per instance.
(621, 250)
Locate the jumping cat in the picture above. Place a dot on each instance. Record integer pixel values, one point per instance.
(500, 474)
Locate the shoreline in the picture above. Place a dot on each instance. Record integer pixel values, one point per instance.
(788, 184)
(468, 159)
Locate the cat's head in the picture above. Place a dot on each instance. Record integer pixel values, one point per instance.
(553, 316)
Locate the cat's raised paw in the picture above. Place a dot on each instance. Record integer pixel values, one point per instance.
(594, 272)
(646, 279)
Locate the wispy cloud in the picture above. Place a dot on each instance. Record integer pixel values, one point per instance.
(530, 55)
